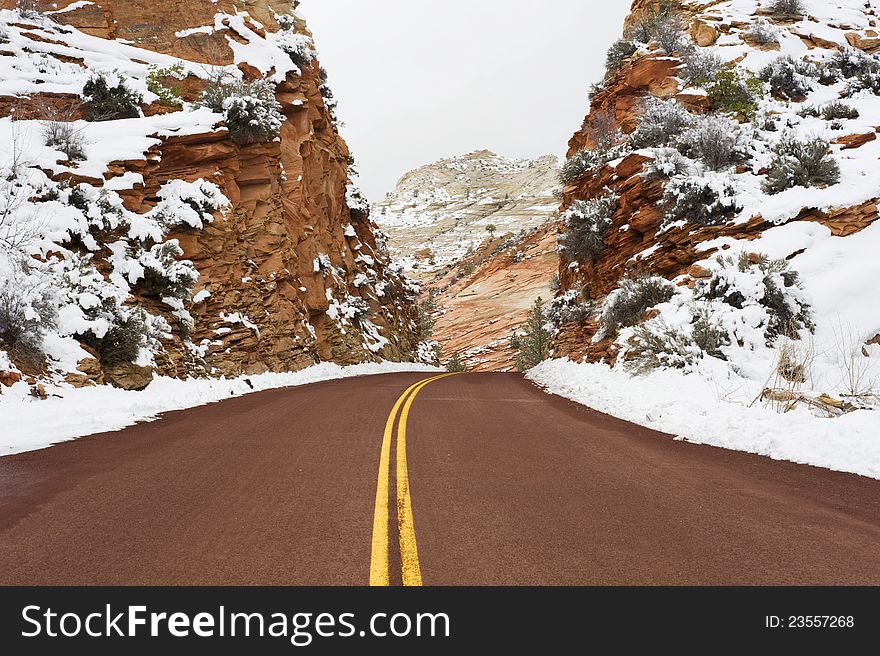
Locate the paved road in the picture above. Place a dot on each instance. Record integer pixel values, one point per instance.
(501, 484)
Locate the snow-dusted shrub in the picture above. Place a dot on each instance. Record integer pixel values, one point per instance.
(851, 62)
(626, 305)
(27, 312)
(735, 91)
(716, 141)
(358, 205)
(165, 276)
(789, 78)
(188, 204)
(299, 47)
(286, 21)
(664, 26)
(586, 224)
(428, 351)
(587, 161)
(107, 98)
(757, 281)
(660, 123)
(156, 76)
(788, 8)
(123, 340)
(251, 111)
(708, 334)
(657, 345)
(763, 32)
(27, 8)
(705, 200)
(64, 136)
(798, 163)
(571, 307)
(832, 111)
(701, 66)
(617, 53)
(668, 163)
(669, 33)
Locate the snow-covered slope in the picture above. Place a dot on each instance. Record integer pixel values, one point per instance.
(720, 221)
(438, 212)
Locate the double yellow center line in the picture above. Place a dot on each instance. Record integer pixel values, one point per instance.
(409, 553)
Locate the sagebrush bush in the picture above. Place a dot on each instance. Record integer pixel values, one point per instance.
(716, 141)
(660, 123)
(851, 62)
(107, 98)
(867, 81)
(701, 66)
(709, 336)
(669, 33)
(571, 307)
(618, 53)
(668, 163)
(788, 8)
(763, 32)
(735, 91)
(657, 345)
(27, 8)
(789, 78)
(627, 305)
(65, 136)
(664, 26)
(26, 314)
(832, 111)
(780, 291)
(706, 200)
(797, 163)
(586, 224)
(587, 161)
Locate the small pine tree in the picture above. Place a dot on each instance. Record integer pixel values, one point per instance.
(534, 344)
(491, 229)
(426, 317)
(454, 364)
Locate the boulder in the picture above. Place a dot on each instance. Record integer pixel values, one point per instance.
(129, 376)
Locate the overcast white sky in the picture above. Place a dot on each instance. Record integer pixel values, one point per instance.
(419, 80)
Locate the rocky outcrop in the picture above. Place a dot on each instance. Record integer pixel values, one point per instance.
(438, 212)
(296, 243)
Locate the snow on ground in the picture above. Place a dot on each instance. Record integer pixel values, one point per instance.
(712, 408)
(30, 424)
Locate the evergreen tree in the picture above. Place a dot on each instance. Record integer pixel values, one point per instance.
(534, 342)
(454, 364)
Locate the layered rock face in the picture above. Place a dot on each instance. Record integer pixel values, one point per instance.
(481, 302)
(482, 282)
(291, 270)
(827, 48)
(438, 212)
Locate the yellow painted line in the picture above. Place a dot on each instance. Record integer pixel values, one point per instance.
(409, 551)
(379, 553)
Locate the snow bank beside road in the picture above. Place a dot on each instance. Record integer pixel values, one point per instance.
(29, 424)
(699, 409)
